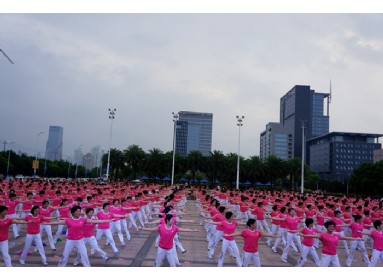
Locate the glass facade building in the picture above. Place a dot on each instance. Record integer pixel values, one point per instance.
(194, 132)
(335, 155)
(276, 140)
(54, 145)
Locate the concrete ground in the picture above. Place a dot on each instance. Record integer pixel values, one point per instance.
(140, 250)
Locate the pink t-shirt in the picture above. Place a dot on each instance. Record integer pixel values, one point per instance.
(4, 226)
(282, 223)
(378, 240)
(356, 229)
(166, 236)
(320, 218)
(229, 228)
(250, 239)
(330, 242)
(64, 212)
(11, 206)
(103, 216)
(27, 205)
(275, 214)
(292, 223)
(75, 228)
(89, 229)
(338, 224)
(116, 210)
(367, 222)
(308, 241)
(34, 227)
(219, 218)
(46, 213)
(260, 213)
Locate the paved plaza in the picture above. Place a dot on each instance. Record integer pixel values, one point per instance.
(141, 252)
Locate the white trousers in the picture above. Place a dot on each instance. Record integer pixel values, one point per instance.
(305, 251)
(341, 233)
(274, 230)
(354, 244)
(132, 221)
(14, 226)
(124, 225)
(290, 238)
(316, 240)
(81, 249)
(169, 254)
(48, 230)
(138, 215)
(94, 245)
(108, 236)
(4, 250)
(254, 257)
(234, 249)
(376, 255)
(59, 232)
(327, 259)
(116, 226)
(216, 238)
(39, 244)
(262, 225)
(282, 233)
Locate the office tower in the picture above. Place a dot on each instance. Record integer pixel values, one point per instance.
(88, 161)
(276, 140)
(54, 145)
(335, 155)
(96, 152)
(194, 132)
(78, 157)
(302, 104)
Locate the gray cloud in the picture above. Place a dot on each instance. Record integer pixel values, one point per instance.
(70, 68)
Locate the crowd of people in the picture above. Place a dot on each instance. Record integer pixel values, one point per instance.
(286, 221)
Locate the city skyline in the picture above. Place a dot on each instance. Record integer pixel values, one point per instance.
(69, 69)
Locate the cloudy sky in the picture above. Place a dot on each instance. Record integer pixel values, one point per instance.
(70, 68)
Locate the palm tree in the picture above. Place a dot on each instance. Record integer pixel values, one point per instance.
(135, 156)
(274, 167)
(217, 164)
(255, 168)
(194, 160)
(294, 169)
(154, 162)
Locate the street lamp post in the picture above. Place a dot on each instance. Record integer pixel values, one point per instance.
(9, 157)
(111, 117)
(175, 119)
(239, 124)
(37, 148)
(303, 157)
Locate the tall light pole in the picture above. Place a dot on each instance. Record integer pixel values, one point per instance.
(76, 159)
(239, 124)
(111, 117)
(175, 119)
(303, 157)
(37, 148)
(9, 157)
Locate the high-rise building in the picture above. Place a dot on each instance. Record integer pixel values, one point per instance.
(54, 145)
(78, 156)
(96, 152)
(88, 161)
(335, 155)
(276, 140)
(194, 132)
(302, 104)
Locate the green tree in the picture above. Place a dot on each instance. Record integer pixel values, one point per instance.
(154, 162)
(216, 165)
(194, 161)
(135, 156)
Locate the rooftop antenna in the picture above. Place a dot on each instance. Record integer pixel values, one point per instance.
(6, 56)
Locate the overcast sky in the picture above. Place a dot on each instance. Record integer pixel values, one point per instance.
(70, 68)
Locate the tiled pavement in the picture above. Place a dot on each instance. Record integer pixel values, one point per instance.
(140, 250)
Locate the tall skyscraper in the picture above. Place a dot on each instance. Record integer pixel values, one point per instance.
(78, 156)
(54, 146)
(96, 152)
(194, 132)
(299, 105)
(302, 104)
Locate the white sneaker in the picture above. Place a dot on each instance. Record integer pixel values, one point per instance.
(274, 250)
(284, 260)
(210, 256)
(45, 263)
(22, 262)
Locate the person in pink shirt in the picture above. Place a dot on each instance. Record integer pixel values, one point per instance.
(26, 207)
(89, 237)
(320, 217)
(308, 243)
(166, 244)
(75, 237)
(292, 221)
(274, 223)
(115, 225)
(377, 237)
(250, 247)
(64, 210)
(260, 213)
(356, 231)
(104, 229)
(33, 234)
(12, 203)
(330, 242)
(5, 223)
(218, 233)
(367, 225)
(339, 221)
